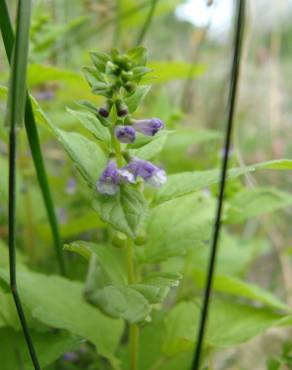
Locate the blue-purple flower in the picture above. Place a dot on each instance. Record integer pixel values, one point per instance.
(150, 173)
(125, 134)
(112, 177)
(149, 126)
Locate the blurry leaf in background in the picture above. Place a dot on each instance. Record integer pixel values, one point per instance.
(252, 202)
(49, 346)
(229, 324)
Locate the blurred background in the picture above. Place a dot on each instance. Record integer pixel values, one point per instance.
(190, 46)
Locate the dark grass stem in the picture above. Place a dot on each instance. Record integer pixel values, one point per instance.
(14, 118)
(34, 142)
(147, 23)
(217, 225)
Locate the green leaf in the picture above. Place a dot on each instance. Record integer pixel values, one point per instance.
(153, 148)
(134, 100)
(184, 183)
(121, 301)
(229, 324)
(188, 227)
(125, 211)
(49, 347)
(156, 286)
(252, 202)
(17, 83)
(138, 55)
(106, 283)
(167, 71)
(87, 156)
(234, 286)
(92, 124)
(62, 306)
(100, 59)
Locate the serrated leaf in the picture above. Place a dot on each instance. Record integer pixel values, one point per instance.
(87, 156)
(62, 306)
(156, 286)
(106, 283)
(133, 100)
(121, 301)
(177, 226)
(125, 211)
(92, 124)
(187, 182)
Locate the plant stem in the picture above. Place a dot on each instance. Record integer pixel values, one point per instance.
(14, 118)
(134, 328)
(217, 225)
(147, 23)
(33, 138)
(134, 346)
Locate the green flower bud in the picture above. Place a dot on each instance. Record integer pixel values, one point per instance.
(119, 240)
(141, 238)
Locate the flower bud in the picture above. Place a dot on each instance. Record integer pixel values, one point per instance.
(125, 134)
(119, 240)
(148, 127)
(103, 112)
(122, 109)
(141, 238)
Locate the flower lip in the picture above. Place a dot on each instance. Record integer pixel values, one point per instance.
(150, 173)
(111, 178)
(125, 134)
(149, 126)
(108, 182)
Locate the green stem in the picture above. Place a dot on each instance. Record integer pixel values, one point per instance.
(134, 328)
(147, 23)
(134, 346)
(33, 138)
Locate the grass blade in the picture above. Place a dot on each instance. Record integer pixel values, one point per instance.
(147, 23)
(14, 118)
(33, 138)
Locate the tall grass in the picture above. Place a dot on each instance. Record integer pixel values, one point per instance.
(33, 138)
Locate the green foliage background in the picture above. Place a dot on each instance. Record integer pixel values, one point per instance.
(252, 286)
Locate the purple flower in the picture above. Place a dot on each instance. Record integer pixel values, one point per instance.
(112, 177)
(125, 134)
(150, 173)
(148, 127)
(108, 182)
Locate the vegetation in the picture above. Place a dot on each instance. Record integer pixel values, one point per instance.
(111, 170)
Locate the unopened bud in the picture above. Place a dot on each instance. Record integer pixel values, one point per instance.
(119, 240)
